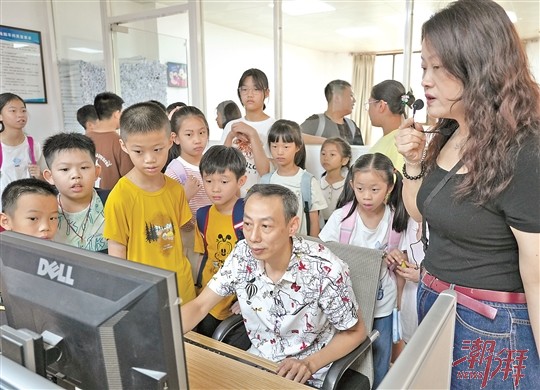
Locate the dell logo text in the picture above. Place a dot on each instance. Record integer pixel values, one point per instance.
(55, 270)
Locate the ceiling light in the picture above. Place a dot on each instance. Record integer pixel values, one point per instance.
(304, 7)
(86, 50)
(358, 32)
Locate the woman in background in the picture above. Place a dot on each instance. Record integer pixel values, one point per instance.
(226, 111)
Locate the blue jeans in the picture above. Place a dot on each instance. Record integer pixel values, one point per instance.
(382, 349)
(490, 354)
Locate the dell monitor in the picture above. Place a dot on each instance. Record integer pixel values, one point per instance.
(116, 323)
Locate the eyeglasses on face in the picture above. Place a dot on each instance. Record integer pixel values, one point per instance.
(246, 90)
(366, 104)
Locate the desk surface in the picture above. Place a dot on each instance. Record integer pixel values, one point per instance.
(209, 370)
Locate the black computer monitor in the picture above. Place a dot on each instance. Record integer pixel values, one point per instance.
(119, 321)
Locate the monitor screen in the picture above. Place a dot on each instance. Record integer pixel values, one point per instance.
(119, 321)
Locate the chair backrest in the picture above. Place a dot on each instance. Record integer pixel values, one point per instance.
(426, 361)
(364, 265)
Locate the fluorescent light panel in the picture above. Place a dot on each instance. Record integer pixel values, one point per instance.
(86, 50)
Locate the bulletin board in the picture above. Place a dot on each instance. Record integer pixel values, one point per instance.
(21, 68)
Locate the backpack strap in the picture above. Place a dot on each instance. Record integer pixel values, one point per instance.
(352, 126)
(202, 225)
(31, 147)
(320, 127)
(305, 189)
(238, 219)
(393, 237)
(347, 225)
(176, 168)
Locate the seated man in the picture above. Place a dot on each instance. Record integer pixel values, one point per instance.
(295, 296)
(317, 128)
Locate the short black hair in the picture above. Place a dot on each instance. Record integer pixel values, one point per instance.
(18, 188)
(67, 141)
(335, 86)
(172, 106)
(219, 158)
(143, 118)
(161, 105)
(86, 113)
(288, 198)
(106, 104)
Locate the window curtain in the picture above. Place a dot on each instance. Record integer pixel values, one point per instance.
(362, 82)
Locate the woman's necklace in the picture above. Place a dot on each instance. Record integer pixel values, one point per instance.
(72, 227)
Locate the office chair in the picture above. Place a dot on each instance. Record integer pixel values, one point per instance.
(354, 370)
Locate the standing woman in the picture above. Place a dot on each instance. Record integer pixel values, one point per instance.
(484, 219)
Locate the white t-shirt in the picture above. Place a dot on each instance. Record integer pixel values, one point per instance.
(368, 238)
(294, 184)
(15, 161)
(262, 128)
(409, 316)
(331, 194)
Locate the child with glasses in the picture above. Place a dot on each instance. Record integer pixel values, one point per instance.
(249, 133)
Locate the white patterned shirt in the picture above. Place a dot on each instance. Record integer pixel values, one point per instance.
(298, 315)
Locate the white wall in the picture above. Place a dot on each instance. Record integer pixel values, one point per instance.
(44, 119)
(532, 48)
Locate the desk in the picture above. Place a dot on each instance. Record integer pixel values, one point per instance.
(207, 370)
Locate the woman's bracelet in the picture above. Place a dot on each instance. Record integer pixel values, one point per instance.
(424, 152)
(412, 163)
(419, 176)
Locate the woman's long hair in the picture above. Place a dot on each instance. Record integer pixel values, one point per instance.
(479, 46)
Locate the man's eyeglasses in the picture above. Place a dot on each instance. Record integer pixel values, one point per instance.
(366, 104)
(246, 90)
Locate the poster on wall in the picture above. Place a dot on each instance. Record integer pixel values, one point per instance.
(21, 67)
(176, 75)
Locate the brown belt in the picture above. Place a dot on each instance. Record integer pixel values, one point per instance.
(471, 297)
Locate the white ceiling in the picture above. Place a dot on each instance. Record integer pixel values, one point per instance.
(383, 22)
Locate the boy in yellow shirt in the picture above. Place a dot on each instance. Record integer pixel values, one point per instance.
(223, 171)
(146, 209)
